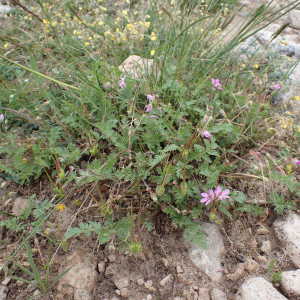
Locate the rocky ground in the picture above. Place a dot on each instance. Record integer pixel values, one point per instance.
(236, 264)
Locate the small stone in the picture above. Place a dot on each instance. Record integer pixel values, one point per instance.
(140, 281)
(239, 273)
(111, 270)
(181, 277)
(6, 281)
(262, 229)
(36, 292)
(152, 289)
(165, 262)
(82, 294)
(20, 204)
(251, 266)
(294, 18)
(258, 288)
(121, 282)
(114, 298)
(3, 292)
(204, 294)
(179, 269)
(5, 10)
(20, 283)
(217, 294)
(261, 259)
(101, 267)
(112, 257)
(118, 292)
(148, 284)
(192, 295)
(125, 292)
(149, 297)
(31, 288)
(290, 282)
(266, 247)
(164, 281)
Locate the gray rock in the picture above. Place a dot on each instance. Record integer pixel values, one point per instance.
(3, 292)
(5, 10)
(288, 233)
(290, 282)
(31, 288)
(209, 261)
(120, 282)
(217, 294)
(251, 266)
(204, 294)
(125, 292)
(262, 229)
(281, 49)
(164, 281)
(294, 18)
(273, 27)
(265, 37)
(64, 219)
(266, 247)
(291, 37)
(258, 288)
(20, 204)
(249, 46)
(82, 275)
(82, 294)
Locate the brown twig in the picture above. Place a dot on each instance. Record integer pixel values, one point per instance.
(27, 10)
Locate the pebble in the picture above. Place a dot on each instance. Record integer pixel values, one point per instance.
(6, 281)
(164, 281)
(5, 10)
(251, 266)
(181, 277)
(112, 257)
(120, 282)
(82, 294)
(288, 233)
(217, 294)
(101, 267)
(294, 18)
(3, 292)
(258, 288)
(125, 292)
(179, 269)
(262, 229)
(148, 284)
(20, 283)
(261, 259)
(239, 273)
(266, 247)
(140, 281)
(165, 262)
(149, 297)
(31, 288)
(204, 294)
(290, 282)
(20, 203)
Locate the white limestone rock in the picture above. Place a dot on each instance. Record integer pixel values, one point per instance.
(290, 283)
(209, 261)
(288, 233)
(5, 10)
(258, 288)
(217, 294)
(294, 18)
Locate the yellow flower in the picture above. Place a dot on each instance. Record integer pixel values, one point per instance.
(297, 98)
(106, 33)
(53, 24)
(147, 24)
(100, 23)
(90, 38)
(124, 12)
(270, 129)
(152, 52)
(134, 31)
(255, 66)
(112, 38)
(160, 12)
(124, 38)
(298, 128)
(60, 207)
(136, 12)
(153, 37)
(129, 26)
(117, 30)
(283, 42)
(201, 30)
(103, 8)
(147, 16)
(86, 44)
(141, 38)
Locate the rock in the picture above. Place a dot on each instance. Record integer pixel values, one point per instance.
(149, 297)
(249, 46)
(290, 283)
(20, 283)
(31, 288)
(82, 275)
(3, 292)
(82, 294)
(148, 284)
(204, 294)
(294, 18)
(137, 67)
(111, 270)
(112, 257)
(140, 281)
(266, 247)
(251, 266)
(5, 10)
(164, 281)
(179, 269)
(101, 267)
(291, 37)
(217, 294)
(124, 292)
(64, 220)
(192, 295)
(36, 292)
(209, 261)
(238, 274)
(165, 262)
(120, 282)
(258, 288)
(181, 277)
(273, 28)
(288, 233)
(265, 37)
(262, 229)
(20, 203)
(6, 281)
(118, 292)
(262, 259)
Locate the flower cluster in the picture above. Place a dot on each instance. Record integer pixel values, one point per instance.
(214, 195)
(216, 83)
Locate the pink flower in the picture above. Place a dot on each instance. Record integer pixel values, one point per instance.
(206, 134)
(297, 161)
(221, 195)
(277, 86)
(150, 97)
(208, 197)
(152, 117)
(148, 108)
(216, 83)
(122, 84)
(1, 118)
(107, 85)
